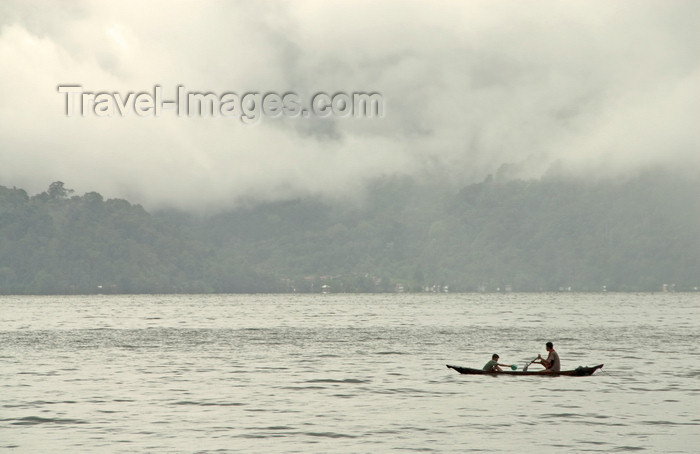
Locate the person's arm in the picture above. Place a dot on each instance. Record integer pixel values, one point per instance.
(544, 362)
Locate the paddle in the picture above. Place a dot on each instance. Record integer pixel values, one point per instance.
(528, 364)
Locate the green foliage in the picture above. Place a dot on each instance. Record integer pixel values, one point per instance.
(53, 244)
(550, 234)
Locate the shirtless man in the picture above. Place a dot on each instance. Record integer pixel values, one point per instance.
(552, 363)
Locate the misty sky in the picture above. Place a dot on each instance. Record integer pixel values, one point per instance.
(589, 87)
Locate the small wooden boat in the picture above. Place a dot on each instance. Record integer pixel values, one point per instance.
(580, 371)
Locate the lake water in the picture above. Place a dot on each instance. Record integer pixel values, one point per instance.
(347, 373)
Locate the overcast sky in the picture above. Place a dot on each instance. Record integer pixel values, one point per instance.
(591, 87)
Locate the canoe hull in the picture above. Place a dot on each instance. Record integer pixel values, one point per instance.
(578, 372)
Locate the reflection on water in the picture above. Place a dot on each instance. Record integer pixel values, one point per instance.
(346, 373)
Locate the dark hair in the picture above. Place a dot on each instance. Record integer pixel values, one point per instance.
(495, 355)
(549, 345)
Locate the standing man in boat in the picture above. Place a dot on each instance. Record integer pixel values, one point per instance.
(552, 363)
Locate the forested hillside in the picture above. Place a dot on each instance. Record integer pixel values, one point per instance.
(636, 234)
(53, 243)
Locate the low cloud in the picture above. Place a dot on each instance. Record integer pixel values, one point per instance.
(593, 87)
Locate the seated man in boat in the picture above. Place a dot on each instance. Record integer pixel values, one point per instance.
(493, 365)
(552, 363)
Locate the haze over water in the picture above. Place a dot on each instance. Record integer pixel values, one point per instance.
(346, 373)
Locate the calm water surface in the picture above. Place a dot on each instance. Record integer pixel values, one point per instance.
(347, 373)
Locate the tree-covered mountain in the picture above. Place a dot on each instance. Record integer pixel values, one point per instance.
(636, 234)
